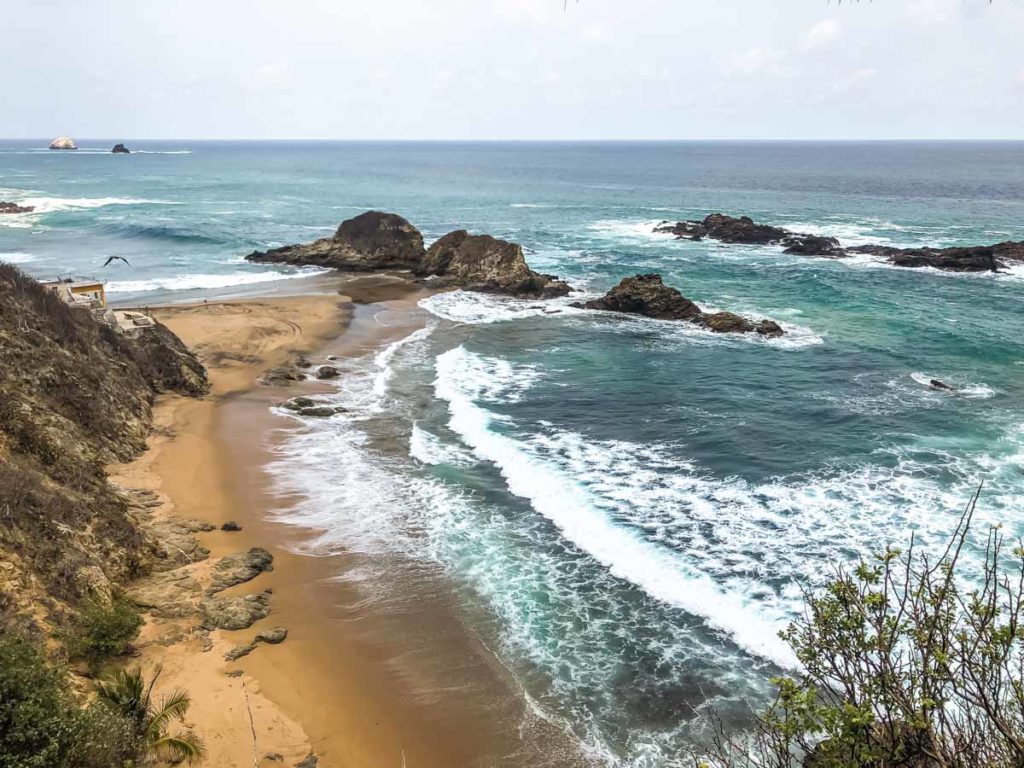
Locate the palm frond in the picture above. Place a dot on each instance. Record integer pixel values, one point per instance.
(185, 746)
(172, 707)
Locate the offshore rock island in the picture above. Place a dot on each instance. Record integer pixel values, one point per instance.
(744, 230)
(375, 241)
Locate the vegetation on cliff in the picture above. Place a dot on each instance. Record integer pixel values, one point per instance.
(74, 396)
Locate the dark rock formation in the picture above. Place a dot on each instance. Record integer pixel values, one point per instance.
(937, 384)
(231, 526)
(327, 372)
(647, 295)
(281, 376)
(321, 411)
(729, 229)
(977, 258)
(484, 263)
(15, 208)
(121, 149)
(376, 241)
(371, 241)
(717, 226)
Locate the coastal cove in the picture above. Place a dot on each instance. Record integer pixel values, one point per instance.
(557, 527)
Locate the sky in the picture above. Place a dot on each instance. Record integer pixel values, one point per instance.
(513, 69)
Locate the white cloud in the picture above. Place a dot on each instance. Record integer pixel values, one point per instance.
(821, 36)
(759, 61)
(933, 13)
(856, 77)
(272, 74)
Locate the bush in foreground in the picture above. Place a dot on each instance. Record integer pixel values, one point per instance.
(103, 631)
(41, 724)
(903, 665)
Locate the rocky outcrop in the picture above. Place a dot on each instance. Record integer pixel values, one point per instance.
(121, 149)
(369, 242)
(375, 241)
(647, 295)
(239, 568)
(484, 263)
(978, 258)
(274, 636)
(727, 229)
(15, 208)
(234, 612)
(62, 142)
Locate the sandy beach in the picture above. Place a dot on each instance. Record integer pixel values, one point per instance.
(357, 683)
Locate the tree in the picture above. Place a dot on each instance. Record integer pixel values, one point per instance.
(904, 664)
(127, 692)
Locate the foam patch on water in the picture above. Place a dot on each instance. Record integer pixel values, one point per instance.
(206, 281)
(428, 449)
(632, 231)
(462, 378)
(56, 204)
(971, 390)
(480, 308)
(383, 360)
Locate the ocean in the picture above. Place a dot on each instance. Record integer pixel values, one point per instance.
(628, 509)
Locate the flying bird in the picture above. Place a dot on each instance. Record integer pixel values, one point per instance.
(111, 258)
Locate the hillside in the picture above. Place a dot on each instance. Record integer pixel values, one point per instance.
(75, 395)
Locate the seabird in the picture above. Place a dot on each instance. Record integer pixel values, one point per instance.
(111, 258)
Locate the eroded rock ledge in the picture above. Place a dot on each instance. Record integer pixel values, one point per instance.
(647, 295)
(375, 241)
(729, 229)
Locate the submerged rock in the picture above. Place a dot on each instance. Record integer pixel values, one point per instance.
(647, 295)
(375, 241)
(327, 372)
(62, 142)
(743, 229)
(121, 149)
(977, 258)
(231, 526)
(15, 208)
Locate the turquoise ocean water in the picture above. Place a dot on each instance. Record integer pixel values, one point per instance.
(628, 508)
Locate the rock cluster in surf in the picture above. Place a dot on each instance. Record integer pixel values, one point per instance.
(376, 241)
(121, 149)
(647, 295)
(15, 208)
(62, 142)
(743, 229)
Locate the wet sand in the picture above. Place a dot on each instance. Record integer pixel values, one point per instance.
(372, 674)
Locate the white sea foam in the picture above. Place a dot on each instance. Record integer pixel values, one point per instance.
(428, 448)
(56, 204)
(972, 390)
(478, 308)
(461, 378)
(200, 281)
(17, 257)
(630, 230)
(384, 358)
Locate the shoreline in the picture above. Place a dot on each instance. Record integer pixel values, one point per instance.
(358, 681)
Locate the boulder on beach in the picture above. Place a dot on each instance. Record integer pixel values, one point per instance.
(62, 142)
(647, 295)
(121, 149)
(487, 264)
(375, 241)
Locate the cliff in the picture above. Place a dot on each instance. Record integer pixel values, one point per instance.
(74, 396)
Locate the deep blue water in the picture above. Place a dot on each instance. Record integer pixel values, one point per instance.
(631, 505)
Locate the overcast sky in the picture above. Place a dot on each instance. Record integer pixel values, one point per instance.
(512, 69)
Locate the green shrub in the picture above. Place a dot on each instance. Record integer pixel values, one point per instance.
(41, 725)
(103, 631)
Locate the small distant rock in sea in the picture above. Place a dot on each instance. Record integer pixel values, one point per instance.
(62, 142)
(15, 208)
(121, 149)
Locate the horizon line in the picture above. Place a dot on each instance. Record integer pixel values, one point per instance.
(532, 141)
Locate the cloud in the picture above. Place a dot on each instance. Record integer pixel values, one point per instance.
(821, 36)
(268, 75)
(856, 77)
(759, 61)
